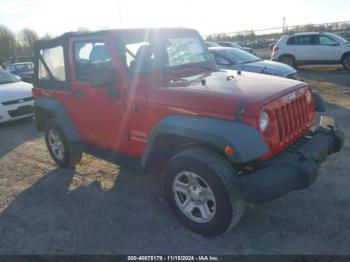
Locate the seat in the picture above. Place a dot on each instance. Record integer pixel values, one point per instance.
(143, 59)
(99, 54)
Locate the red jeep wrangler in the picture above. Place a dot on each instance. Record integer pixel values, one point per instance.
(220, 139)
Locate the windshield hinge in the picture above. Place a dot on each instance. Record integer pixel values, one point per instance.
(240, 110)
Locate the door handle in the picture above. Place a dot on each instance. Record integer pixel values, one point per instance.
(76, 93)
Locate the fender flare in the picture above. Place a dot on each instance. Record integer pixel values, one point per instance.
(57, 110)
(247, 142)
(319, 101)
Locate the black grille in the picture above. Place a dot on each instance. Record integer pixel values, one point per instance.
(17, 101)
(21, 111)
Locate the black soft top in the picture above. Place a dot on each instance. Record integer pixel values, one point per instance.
(40, 44)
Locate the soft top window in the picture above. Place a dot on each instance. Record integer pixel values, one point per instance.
(51, 64)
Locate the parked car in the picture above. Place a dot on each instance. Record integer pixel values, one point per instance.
(25, 70)
(211, 44)
(234, 44)
(16, 100)
(155, 98)
(233, 58)
(312, 48)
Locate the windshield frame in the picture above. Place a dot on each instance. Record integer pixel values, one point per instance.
(156, 37)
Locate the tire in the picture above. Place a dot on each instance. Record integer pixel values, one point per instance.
(215, 178)
(288, 60)
(346, 61)
(56, 142)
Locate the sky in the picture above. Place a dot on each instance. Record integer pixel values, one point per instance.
(215, 16)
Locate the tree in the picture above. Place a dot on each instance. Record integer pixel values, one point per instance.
(83, 29)
(7, 43)
(46, 36)
(27, 37)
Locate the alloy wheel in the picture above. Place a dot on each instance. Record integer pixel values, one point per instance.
(56, 144)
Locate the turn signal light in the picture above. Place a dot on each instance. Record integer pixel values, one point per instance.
(229, 150)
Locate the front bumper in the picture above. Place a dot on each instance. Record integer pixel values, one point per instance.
(16, 111)
(293, 169)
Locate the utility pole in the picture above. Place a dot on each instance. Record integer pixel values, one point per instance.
(120, 15)
(284, 25)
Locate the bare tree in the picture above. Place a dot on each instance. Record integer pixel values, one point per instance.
(46, 36)
(7, 43)
(27, 37)
(83, 29)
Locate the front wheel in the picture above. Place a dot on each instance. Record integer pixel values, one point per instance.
(200, 188)
(288, 60)
(65, 154)
(346, 62)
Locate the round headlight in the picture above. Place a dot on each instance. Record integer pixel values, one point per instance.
(308, 96)
(264, 121)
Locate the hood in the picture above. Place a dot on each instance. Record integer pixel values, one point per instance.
(13, 91)
(218, 92)
(269, 67)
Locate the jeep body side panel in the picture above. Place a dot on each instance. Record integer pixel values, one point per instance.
(44, 106)
(246, 141)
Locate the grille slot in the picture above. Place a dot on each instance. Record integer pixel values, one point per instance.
(21, 111)
(17, 101)
(291, 118)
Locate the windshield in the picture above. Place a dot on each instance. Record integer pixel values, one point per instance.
(21, 68)
(236, 45)
(239, 56)
(211, 44)
(6, 78)
(163, 50)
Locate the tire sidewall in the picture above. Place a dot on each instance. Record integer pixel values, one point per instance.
(53, 125)
(223, 214)
(346, 67)
(289, 58)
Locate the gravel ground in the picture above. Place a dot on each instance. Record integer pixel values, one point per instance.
(101, 208)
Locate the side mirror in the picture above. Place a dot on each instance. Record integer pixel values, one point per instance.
(101, 74)
(335, 44)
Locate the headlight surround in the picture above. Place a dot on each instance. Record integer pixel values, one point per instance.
(264, 121)
(308, 96)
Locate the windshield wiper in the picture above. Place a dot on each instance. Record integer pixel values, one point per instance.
(168, 71)
(247, 62)
(208, 68)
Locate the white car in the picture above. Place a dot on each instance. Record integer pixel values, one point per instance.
(16, 99)
(312, 48)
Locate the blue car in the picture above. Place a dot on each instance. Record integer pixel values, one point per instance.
(236, 59)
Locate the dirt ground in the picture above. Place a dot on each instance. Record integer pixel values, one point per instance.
(101, 208)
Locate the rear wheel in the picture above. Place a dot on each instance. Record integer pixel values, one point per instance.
(346, 61)
(288, 60)
(200, 188)
(65, 154)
